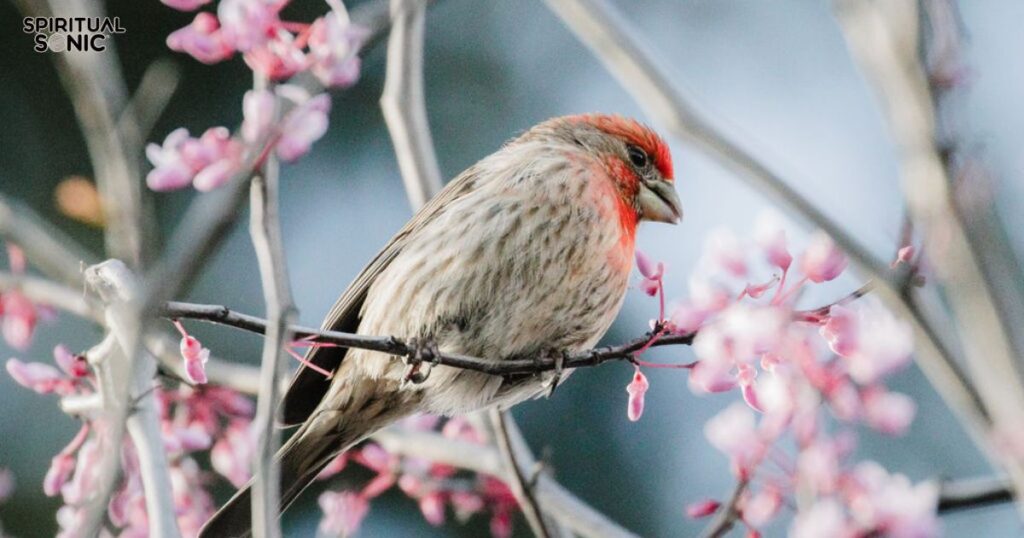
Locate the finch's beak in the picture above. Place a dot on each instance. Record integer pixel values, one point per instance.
(659, 202)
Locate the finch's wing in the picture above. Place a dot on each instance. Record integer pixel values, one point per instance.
(308, 386)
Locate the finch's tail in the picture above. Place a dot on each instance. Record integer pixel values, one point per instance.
(323, 436)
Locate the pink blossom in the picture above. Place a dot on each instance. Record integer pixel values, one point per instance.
(702, 508)
(170, 171)
(380, 483)
(374, 457)
(432, 508)
(686, 319)
(734, 432)
(891, 505)
(822, 261)
(304, 125)
(334, 467)
(889, 412)
(194, 355)
(761, 507)
(466, 503)
(824, 518)
(202, 39)
(343, 511)
(248, 24)
(501, 523)
(232, 453)
(652, 273)
(770, 237)
(258, 108)
(16, 258)
(636, 389)
(711, 376)
(840, 330)
(818, 467)
(19, 319)
(61, 467)
(723, 251)
(884, 344)
(334, 47)
(185, 5)
(74, 365)
(37, 376)
(277, 59)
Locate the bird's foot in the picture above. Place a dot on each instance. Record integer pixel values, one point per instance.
(424, 352)
(558, 357)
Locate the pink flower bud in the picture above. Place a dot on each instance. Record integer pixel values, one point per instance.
(466, 504)
(822, 261)
(904, 255)
(258, 114)
(840, 331)
(374, 457)
(74, 365)
(16, 258)
(636, 389)
(648, 268)
(61, 467)
(304, 125)
(334, 467)
(203, 40)
(19, 319)
(334, 48)
(248, 23)
(703, 508)
(889, 412)
(380, 483)
(770, 237)
(432, 507)
(37, 376)
(501, 523)
(343, 512)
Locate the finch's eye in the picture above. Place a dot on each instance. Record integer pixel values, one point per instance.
(637, 156)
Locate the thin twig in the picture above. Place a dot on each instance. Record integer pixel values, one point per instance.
(265, 229)
(515, 477)
(45, 246)
(403, 103)
(727, 515)
(955, 495)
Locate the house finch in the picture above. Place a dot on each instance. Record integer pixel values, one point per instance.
(527, 252)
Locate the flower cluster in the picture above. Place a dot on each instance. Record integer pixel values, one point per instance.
(801, 375)
(285, 119)
(434, 486)
(190, 420)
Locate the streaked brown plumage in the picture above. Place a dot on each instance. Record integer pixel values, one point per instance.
(528, 251)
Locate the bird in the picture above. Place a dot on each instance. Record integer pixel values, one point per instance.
(526, 253)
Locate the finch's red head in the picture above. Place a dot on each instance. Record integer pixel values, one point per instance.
(635, 157)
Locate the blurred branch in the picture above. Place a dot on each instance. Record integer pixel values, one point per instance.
(265, 229)
(150, 99)
(973, 493)
(97, 90)
(884, 39)
(515, 478)
(404, 105)
(45, 246)
(609, 36)
(580, 518)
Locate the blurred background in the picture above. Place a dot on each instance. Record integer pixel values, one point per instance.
(775, 75)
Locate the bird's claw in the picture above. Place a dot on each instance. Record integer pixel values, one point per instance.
(552, 383)
(424, 352)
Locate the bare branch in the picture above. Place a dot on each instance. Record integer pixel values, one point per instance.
(727, 515)
(149, 100)
(515, 477)
(265, 229)
(126, 379)
(403, 103)
(48, 248)
(957, 495)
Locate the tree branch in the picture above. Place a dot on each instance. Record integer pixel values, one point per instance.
(966, 494)
(403, 103)
(515, 478)
(265, 229)
(727, 515)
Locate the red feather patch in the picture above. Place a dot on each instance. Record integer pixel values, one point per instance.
(636, 133)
